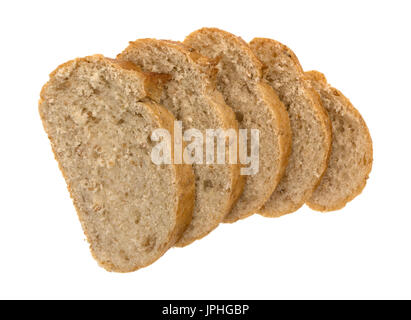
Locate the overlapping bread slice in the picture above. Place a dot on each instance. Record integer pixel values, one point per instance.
(99, 119)
(192, 97)
(351, 154)
(311, 128)
(256, 105)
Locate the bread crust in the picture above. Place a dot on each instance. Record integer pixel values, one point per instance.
(276, 113)
(184, 176)
(269, 210)
(349, 108)
(216, 102)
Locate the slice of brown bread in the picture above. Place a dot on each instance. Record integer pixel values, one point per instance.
(192, 97)
(311, 127)
(256, 105)
(351, 155)
(99, 120)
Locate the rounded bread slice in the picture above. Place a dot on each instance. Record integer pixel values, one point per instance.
(99, 118)
(351, 154)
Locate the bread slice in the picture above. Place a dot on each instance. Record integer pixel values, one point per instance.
(99, 119)
(311, 128)
(256, 105)
(193, 99)
(351, 155)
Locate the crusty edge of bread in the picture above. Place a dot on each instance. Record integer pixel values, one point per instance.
(240, 41)
(318, 76)
(183, 173)
(326, 124)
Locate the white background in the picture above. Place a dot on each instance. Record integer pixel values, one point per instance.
(362, 251)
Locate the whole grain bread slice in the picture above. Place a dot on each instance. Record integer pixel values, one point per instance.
(311, 127)
(193, 99)
(256, 106)
(99, 118)
(351, 154)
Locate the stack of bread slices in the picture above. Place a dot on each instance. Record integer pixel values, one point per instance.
(100, 115)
